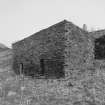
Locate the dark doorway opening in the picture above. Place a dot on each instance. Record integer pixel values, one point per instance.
(51, 68)
(21, 68)
(42, 65)
(54, 68)
(99, 50)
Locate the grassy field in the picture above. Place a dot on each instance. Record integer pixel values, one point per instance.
(83, 89)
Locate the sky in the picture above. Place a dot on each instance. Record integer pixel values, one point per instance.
(22, 18)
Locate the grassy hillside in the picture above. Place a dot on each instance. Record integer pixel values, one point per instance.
(5, 59)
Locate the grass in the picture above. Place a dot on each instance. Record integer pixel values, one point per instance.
(86, 88)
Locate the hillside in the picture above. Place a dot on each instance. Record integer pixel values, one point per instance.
(5, 58)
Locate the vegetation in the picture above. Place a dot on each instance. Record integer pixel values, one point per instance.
(87, 88)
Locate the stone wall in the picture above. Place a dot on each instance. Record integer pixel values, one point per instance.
(63, 47)
(79, 49)
(47, 44)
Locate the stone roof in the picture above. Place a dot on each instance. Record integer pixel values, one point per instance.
(97, 34)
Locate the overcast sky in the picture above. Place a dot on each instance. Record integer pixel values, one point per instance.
(21, 18)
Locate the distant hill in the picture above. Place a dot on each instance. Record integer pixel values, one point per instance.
(3, 47)
(5, 58)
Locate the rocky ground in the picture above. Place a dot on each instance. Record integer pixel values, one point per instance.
(85, 89)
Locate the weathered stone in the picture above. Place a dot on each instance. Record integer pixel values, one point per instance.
(59, 45)
(57, 51)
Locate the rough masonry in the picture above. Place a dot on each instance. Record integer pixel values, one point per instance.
(57, 50)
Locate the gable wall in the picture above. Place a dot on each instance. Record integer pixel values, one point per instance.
(46, 44)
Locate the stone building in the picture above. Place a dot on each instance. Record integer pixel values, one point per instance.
(98, 41)
(57, 50)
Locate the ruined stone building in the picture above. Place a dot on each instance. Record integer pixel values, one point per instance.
(59, 49)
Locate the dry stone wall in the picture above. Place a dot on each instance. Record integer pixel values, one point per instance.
(47, 44)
